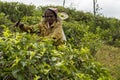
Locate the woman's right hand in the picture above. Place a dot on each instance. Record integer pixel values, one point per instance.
(18, 24)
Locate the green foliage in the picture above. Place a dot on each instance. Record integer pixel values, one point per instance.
(38, 12)
(27, 57)
(31, 20)
(4, 20)
(80, 36)
(16, 10)
(117, 69)
(114, 31)
(74, 33)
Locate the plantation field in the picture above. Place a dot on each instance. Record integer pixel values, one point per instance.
(85, 56)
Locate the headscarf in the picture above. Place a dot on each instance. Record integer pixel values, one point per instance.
(55, 12)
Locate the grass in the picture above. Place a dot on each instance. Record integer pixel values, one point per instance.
(109, 56)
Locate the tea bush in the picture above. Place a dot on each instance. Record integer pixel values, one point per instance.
(30, 57)
(79, 35)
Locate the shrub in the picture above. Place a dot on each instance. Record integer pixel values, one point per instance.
(28, 57)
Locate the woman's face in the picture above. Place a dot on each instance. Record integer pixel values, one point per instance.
(50, 17)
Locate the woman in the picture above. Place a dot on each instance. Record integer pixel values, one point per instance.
(50, 27)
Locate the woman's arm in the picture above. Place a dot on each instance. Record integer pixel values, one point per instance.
(26, 28)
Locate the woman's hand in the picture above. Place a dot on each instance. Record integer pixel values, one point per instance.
(17, 24)
(20, 25)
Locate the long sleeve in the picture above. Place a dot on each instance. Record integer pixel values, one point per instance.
(32, 28)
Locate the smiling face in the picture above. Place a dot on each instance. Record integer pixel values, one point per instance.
(50, 16)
